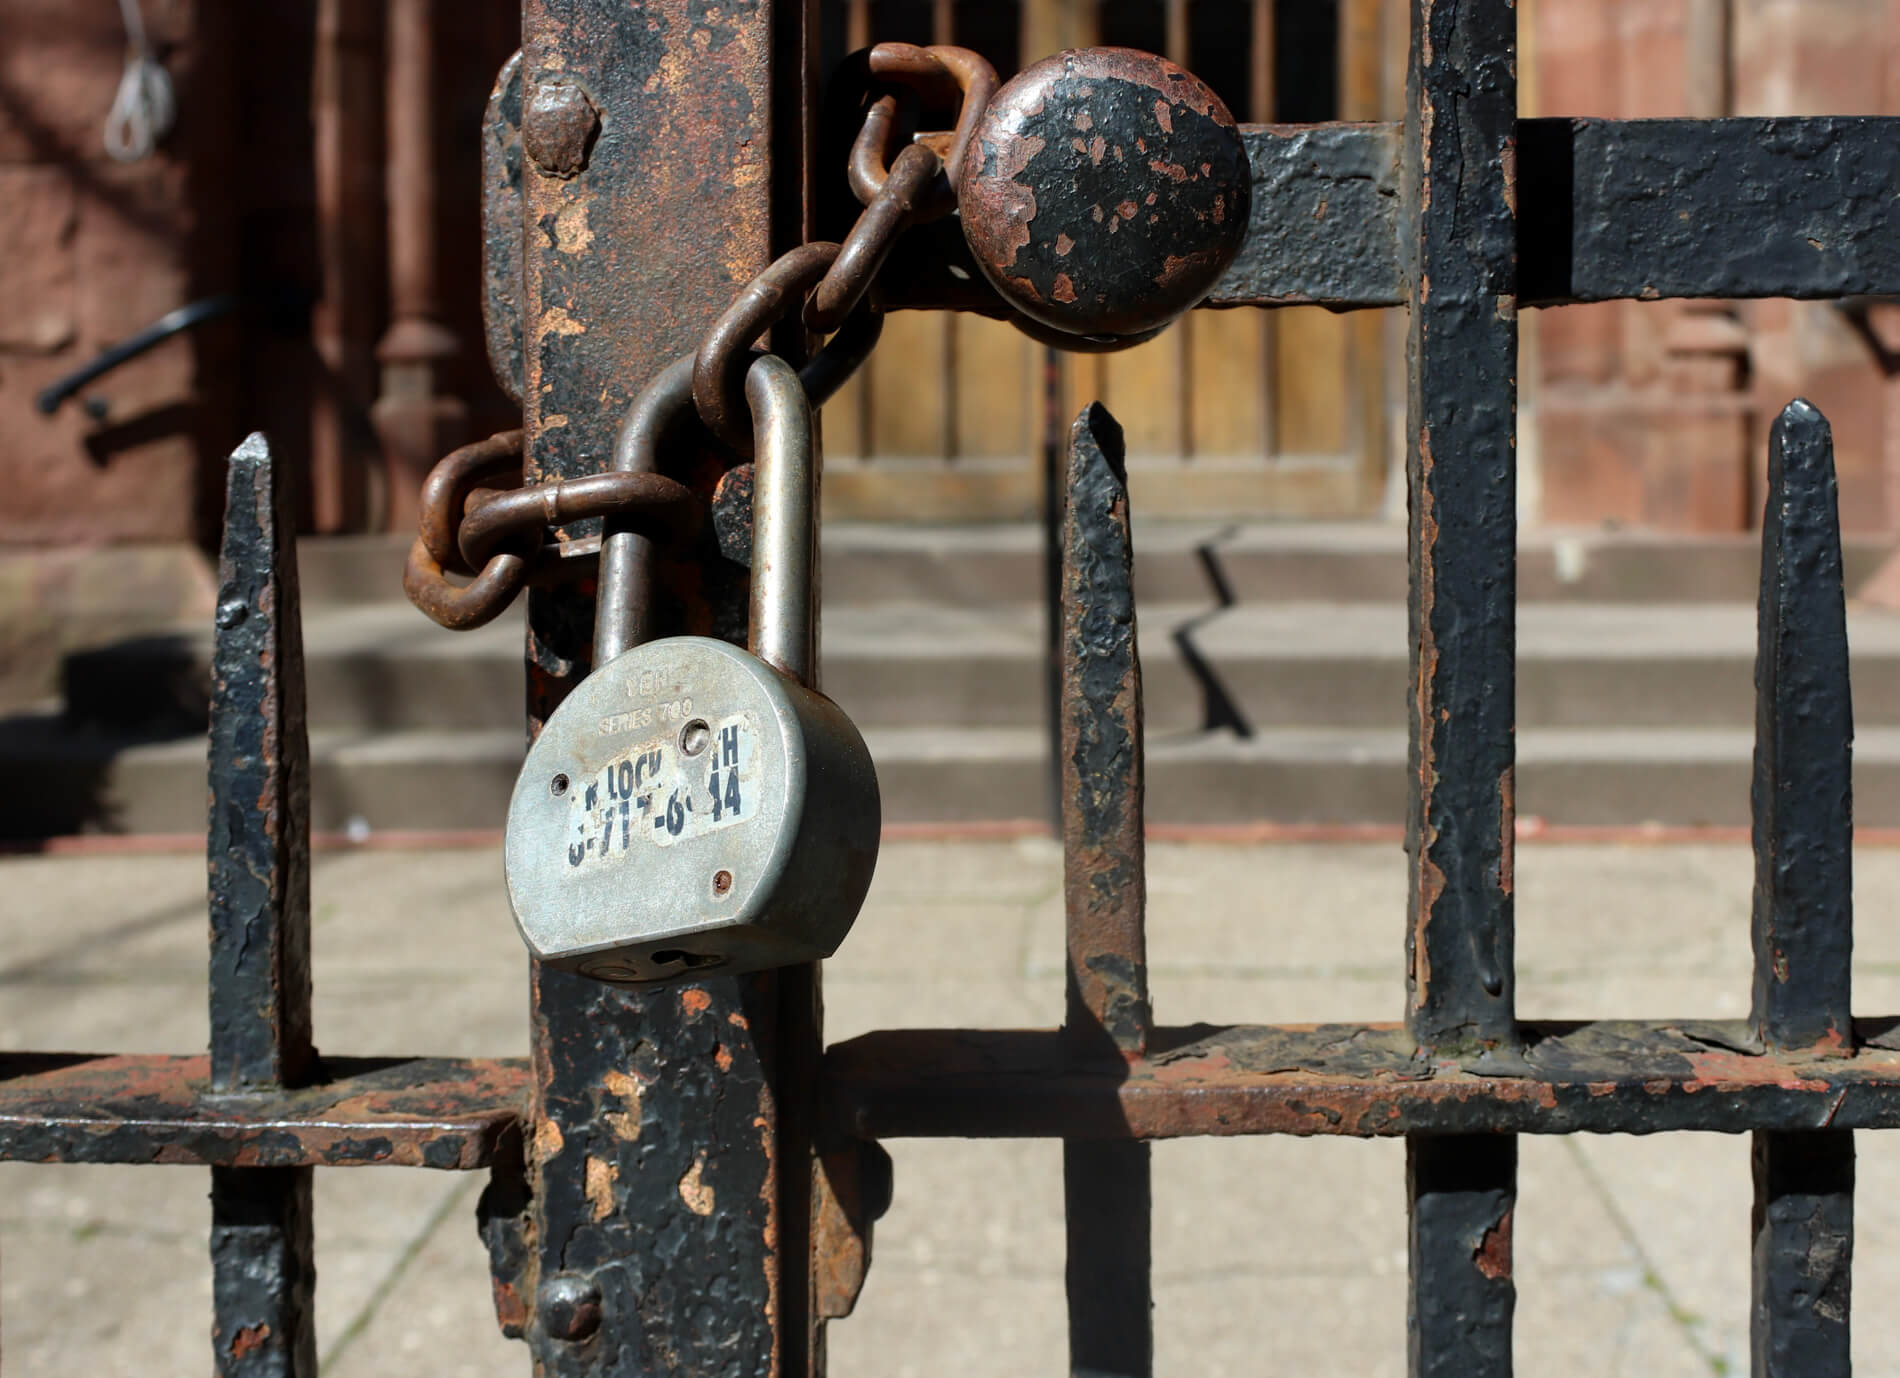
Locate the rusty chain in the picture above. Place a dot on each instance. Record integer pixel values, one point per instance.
(480, 522)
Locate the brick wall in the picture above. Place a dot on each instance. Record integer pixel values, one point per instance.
(270, 185)
(1653, 414)
(91, 250)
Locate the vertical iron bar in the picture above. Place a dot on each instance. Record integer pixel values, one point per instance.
(1803, 1228)
(258, 857)
(1459, 175)
(1106, 1185)
(1104, 877)
(1463, 1194)
(1263, 93)
(669, 1161)
(1804, 733)
(1054, 505)
(1462, 479)
(1803, 1218)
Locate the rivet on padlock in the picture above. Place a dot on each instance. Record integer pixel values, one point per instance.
(1106, 192)
(691, 805)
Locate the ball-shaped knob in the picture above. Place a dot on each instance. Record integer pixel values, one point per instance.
(1106, 191)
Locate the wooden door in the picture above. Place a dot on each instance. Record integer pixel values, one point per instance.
(1236, 413)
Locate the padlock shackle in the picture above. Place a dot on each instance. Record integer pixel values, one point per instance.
(623, 609)
(784, 517)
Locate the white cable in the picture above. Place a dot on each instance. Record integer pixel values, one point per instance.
(142, 109)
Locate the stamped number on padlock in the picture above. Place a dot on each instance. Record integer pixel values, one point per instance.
(692, 805)
(680, 784)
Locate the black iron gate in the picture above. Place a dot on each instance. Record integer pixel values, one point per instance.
(645, 161)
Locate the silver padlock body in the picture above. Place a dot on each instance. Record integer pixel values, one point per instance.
(688, 807)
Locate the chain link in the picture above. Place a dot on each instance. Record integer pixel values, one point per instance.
(478, 520)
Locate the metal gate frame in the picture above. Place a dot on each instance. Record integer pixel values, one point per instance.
(682, 1182)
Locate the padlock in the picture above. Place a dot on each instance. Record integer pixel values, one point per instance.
(692, 805)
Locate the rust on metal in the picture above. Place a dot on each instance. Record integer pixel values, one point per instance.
(503, 1221)
(896, 205)
(660, 508)
(1107, 192)
(259, 820)
(694, 183)
(258, 850)
(498, 532)
(922, 68)
(1803, 789)
(558, 125)
(1104, 876)
(719, 369)
(1461, 474)
(1107, 1187)
(126, 1108)
(852, 1188)
(502, 228)
(1357, 1080)
(462, 607)
(446, 490)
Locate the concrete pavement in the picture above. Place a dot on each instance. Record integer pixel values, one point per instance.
(1271, 1255)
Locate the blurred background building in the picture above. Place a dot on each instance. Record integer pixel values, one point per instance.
(322, 180)
(284, 180)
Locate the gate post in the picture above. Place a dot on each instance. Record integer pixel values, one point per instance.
(1460, 170)
(668, 1154)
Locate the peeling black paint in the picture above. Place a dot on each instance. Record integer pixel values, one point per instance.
(1804, 735)
(1108, 193)
(653, 1151)
(259, 849)
(502, 227)
(1803, 906)
(1461, 469)
(663, 1203)
(264, 1276)
(1608, 210)
(1325, 219)
(448, 1113)
(258, 854)
(1102, 780)
(1612, 1077)
(1803, 1227)
(1107, 1192)
(1463, 1197)
(1460, 255)
(1708, 208)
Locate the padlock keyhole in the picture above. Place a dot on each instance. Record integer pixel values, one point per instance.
(692, 961)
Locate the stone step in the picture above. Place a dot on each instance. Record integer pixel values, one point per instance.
(1190, 562)
(60, 781)
(382, 666)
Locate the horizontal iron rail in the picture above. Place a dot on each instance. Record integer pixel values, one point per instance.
(454, 1113)
(1358, 1081)
(1607, 210)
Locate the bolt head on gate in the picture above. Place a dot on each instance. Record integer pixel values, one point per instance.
(689, 807)
(1106, 192)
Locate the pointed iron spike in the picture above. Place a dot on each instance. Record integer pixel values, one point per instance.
(1105, 886)
(258, 852)
(1107, 1186)
(258, 847)
(1804, 729)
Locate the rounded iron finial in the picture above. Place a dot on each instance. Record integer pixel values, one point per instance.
(1106, 193)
